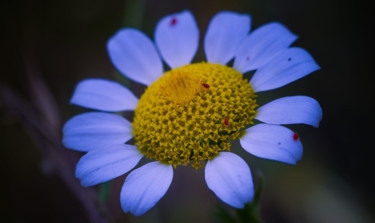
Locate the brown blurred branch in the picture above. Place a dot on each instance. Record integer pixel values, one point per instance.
(47, 138)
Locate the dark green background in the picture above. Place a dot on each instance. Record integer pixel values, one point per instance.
(49, 46)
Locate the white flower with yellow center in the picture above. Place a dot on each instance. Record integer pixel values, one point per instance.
(190, 114)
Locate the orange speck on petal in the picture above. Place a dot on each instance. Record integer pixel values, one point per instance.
(295, 136)
(173, 21)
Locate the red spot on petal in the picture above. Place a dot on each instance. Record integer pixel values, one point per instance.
(173, 21)
(206, 85)
(295, 137)
(226, 122)
(247, 58)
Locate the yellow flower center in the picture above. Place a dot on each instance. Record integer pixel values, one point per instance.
(192, 113)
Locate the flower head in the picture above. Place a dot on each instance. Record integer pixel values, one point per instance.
(190, 114)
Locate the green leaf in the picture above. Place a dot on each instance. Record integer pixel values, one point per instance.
(248, 214)
(104, 190)
(224, 216)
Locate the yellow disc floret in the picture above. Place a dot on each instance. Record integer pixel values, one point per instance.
(192, 113)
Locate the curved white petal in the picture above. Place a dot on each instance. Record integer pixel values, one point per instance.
(135, 56)
(103, 95)
(288, 66)
(262, 45)
(229, 177)
(291, 110)
(90, 130)
(145, 186)
(224, 34)
(273, 142)
(177, 38)
(100, 165)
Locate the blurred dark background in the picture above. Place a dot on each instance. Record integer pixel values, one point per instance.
(49, 46)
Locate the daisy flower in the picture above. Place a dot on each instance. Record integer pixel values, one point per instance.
(189, 114)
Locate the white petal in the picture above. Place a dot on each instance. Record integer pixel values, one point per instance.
(262, 45)
(224, 34)
(145, 186)
(94, 129)
(135, 56)
(229, 177)
(101, 165)
(273, 142)
(177, 38)
(103, 95)
(291, 110)
(288, 66)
